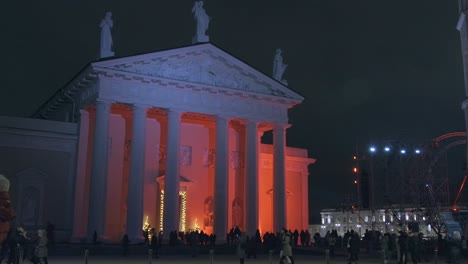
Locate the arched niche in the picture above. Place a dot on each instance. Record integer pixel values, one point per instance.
(30, 186)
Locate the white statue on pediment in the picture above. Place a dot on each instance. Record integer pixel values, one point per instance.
(279, 67)
(203, 20)
(106, 36)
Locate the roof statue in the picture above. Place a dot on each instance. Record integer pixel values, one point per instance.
(203, 20)
(106, 36)
(279, 67)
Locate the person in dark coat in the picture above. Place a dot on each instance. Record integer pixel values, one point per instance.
(12, 245)
(95, 237)
(413, 247)
(353, 247)
(403, 244)
(454, 247)
(125, 242)
(50, 233)
(41, 248)
(154, 243)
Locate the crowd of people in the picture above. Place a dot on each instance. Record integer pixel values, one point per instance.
(400, 248)
(404, 247)
(20, 244)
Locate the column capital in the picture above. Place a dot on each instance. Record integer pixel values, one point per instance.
(252, 122)
(174, 110)
(141, 106)
(104, 101)
(283, 126)
(223, 117)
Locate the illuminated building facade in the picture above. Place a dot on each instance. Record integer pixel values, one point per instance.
(381, 220)
(173, 139)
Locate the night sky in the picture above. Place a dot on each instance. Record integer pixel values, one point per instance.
(368, 69)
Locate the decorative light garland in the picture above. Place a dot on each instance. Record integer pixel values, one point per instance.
(161, 210)
(183, 210)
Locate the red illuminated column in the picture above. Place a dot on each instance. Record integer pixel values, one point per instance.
(171, 184)
(279, 169)
(137, 171)
(98, 183)
(251, 195)
(221, 178)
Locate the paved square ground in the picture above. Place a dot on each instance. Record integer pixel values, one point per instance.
(201, 259)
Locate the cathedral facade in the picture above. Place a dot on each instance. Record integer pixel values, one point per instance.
(170, 139)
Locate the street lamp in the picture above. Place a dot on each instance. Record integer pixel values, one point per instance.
(387, 149)
(403, 151)
(372, 149)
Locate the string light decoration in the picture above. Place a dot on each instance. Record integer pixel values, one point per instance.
(183, 210)
(161, 210)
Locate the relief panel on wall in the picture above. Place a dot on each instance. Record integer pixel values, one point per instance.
(237, 213)
(209, 157)
(185, 153)
(208, 206)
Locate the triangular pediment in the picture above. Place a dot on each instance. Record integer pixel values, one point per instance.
(203, 64)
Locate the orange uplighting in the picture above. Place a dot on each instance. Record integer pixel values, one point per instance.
(355, 181)
(354, 158)
(355, 169)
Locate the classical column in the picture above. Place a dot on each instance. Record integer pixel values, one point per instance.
(137, 171)
(279, 170)
(221, 178)
(98, 183)
(251, 191)
(462, 27)
(171, 181)
(81, 199)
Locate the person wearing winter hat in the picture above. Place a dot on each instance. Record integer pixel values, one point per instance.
(6, 209)
(286, 247)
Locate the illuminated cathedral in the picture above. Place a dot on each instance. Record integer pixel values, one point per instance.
(170, 139)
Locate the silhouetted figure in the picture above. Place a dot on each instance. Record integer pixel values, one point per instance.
(251, 247)
(295, 237)
(353, 247)
(23, 242)
(11, 246)
(413, 248)
(50, 229)
(331, 245)
(241, 247)
(95, 237)
(154, 243)
(307, 238)
(41, 248)
(403, 244)
(125, 242)
(194, 239)
(454, 247)
(146, 237)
